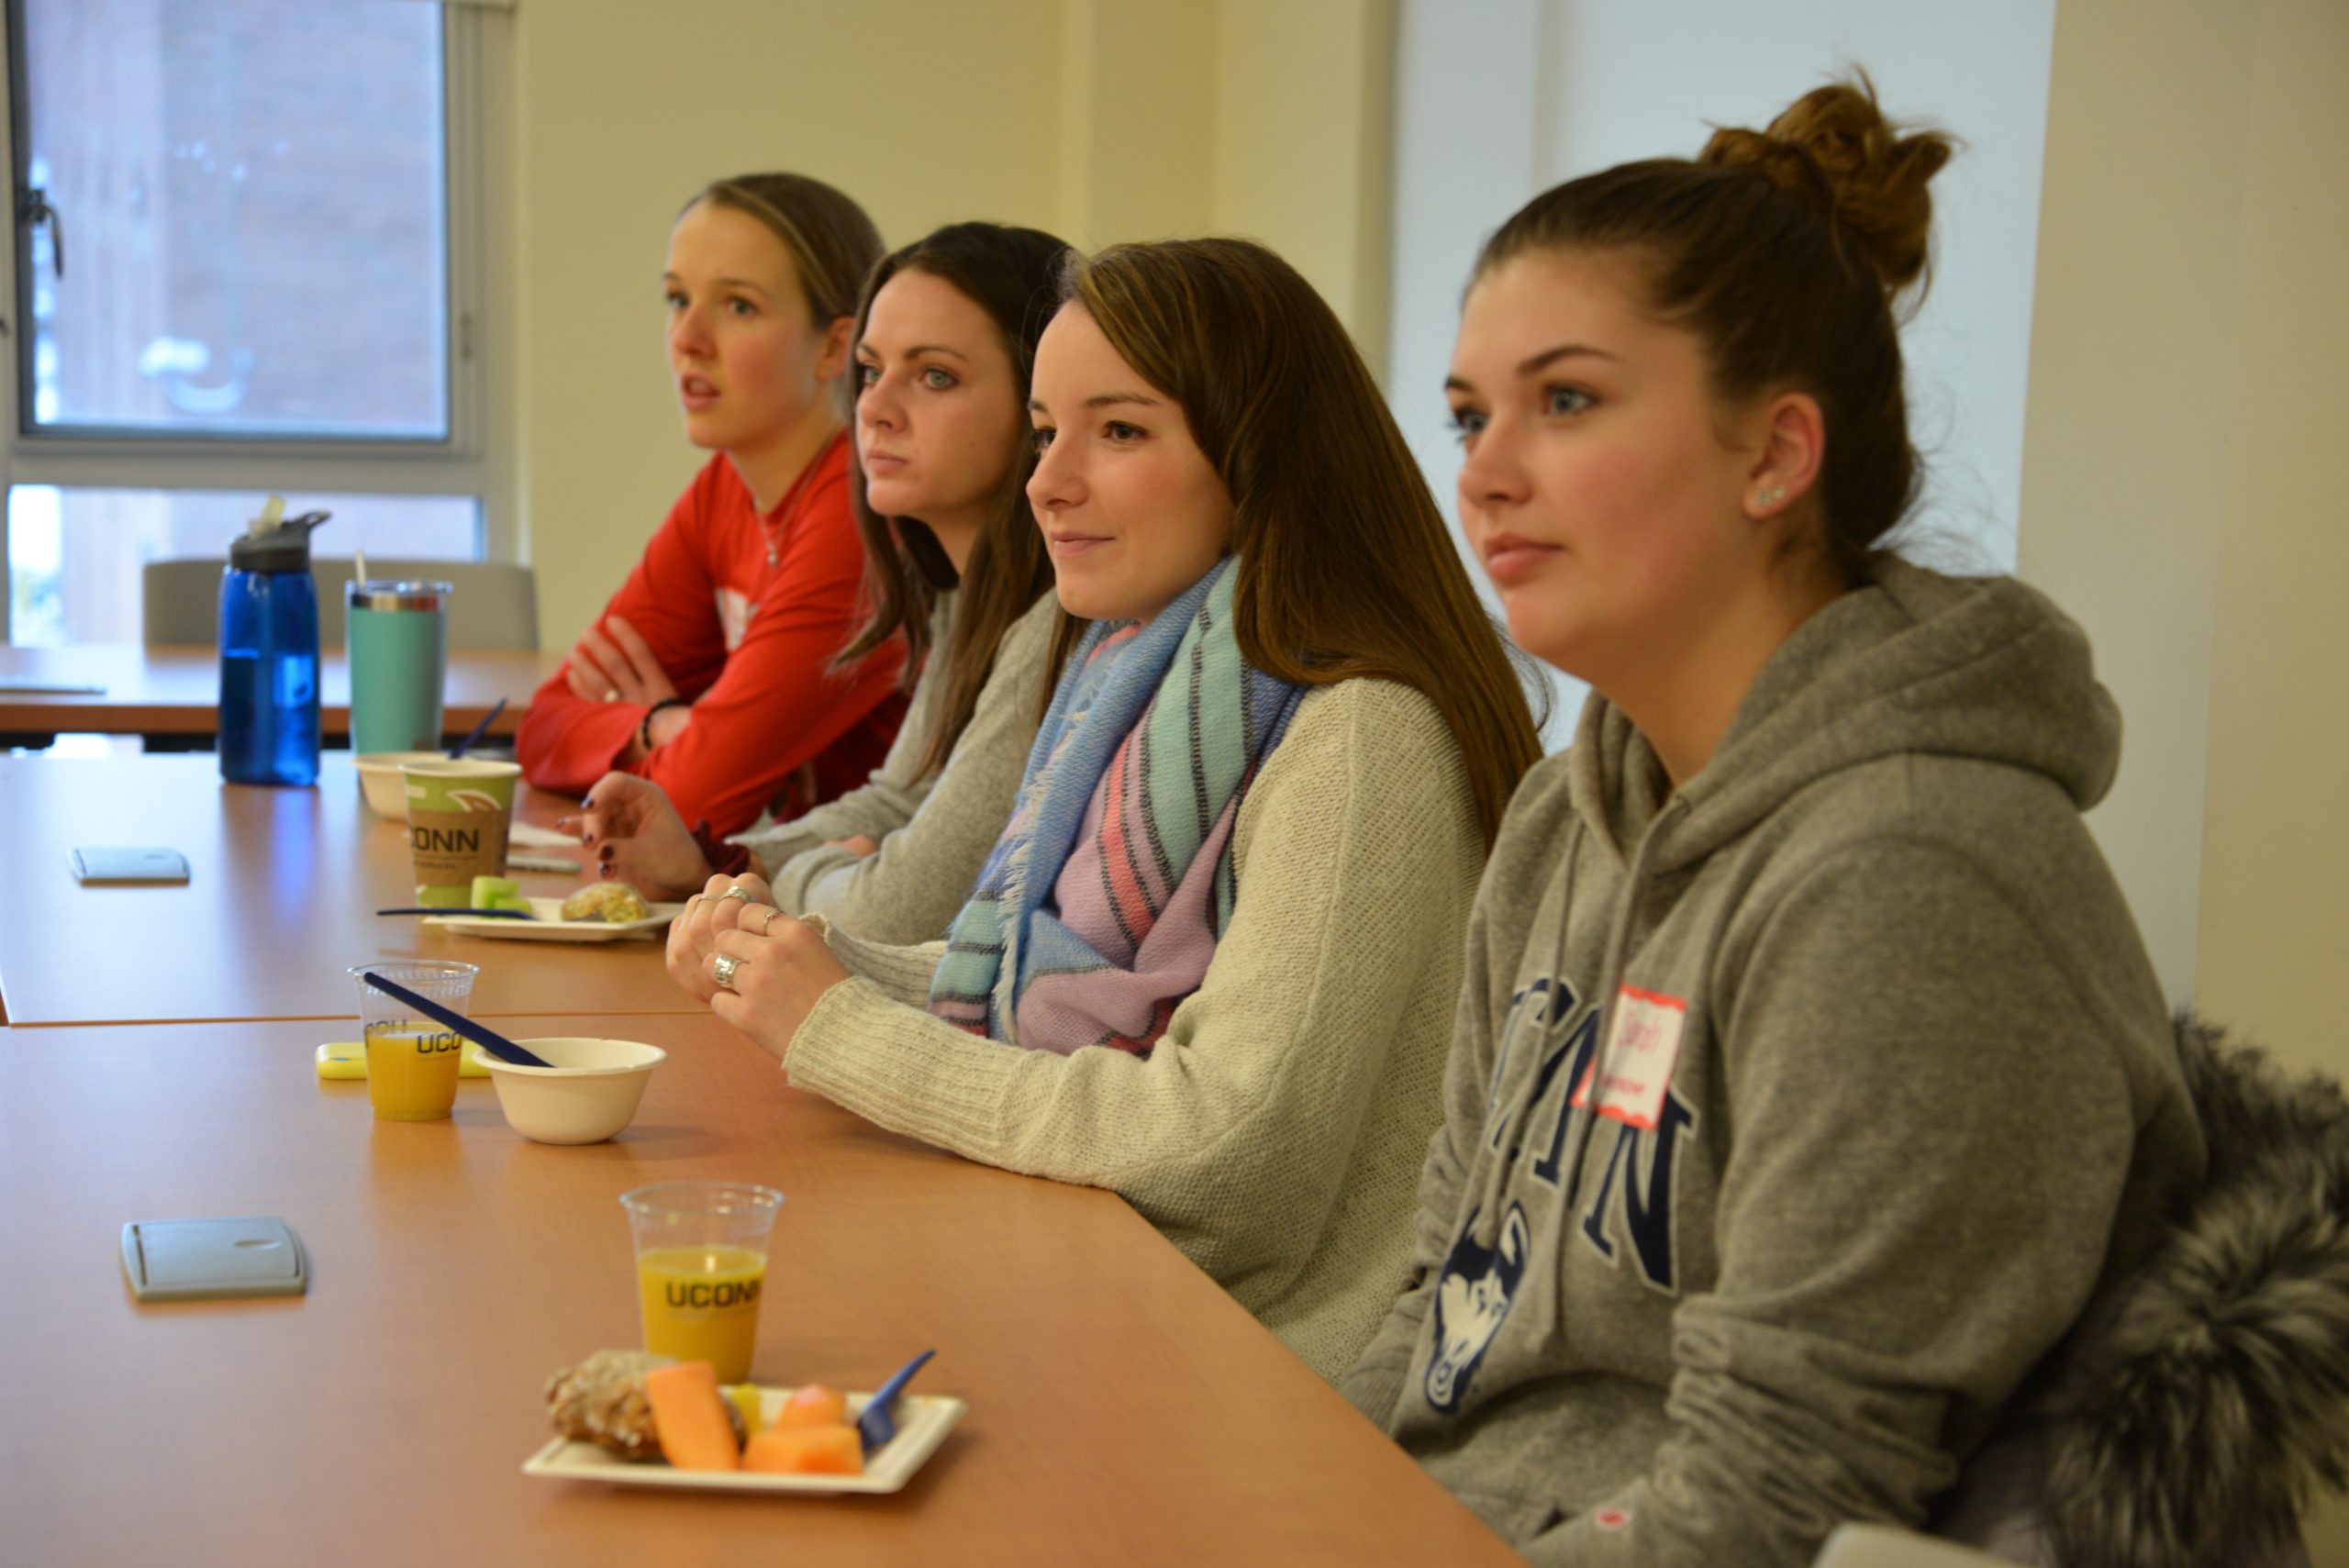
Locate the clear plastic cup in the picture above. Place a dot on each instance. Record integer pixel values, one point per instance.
(412, 1062)
(701, 1267)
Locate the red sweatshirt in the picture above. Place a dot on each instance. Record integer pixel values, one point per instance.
(744, 613)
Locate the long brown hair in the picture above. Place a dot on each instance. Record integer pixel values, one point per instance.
(1346, 567)
(832, 243)
(1012, 274)
(1784, 251)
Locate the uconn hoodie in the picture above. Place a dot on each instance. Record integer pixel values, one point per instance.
(1793, 1116)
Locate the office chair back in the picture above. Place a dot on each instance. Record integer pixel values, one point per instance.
(494, 603)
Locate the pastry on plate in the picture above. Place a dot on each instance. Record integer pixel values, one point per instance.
(601, 1401)
(614, 902)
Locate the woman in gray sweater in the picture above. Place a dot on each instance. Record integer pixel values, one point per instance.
(1809, 1080)
(945, 344)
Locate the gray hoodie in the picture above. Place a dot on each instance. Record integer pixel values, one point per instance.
(1794, 1116)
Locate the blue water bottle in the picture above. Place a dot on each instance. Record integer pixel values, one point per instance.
(269, 652)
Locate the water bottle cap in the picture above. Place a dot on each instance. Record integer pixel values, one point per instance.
(285, 547)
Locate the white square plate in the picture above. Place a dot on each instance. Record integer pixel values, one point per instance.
(549, 926)
(923, 1421)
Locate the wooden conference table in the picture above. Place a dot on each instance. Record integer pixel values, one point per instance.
(282, 899)
(1122, 1408)
(176, 691)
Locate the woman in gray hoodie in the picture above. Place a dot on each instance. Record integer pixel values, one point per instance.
(1810, 1079)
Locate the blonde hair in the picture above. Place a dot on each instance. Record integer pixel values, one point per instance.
(831, 241)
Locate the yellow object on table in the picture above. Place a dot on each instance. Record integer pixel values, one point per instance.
(348, 1059)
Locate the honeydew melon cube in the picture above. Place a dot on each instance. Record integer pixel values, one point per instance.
(488, 890)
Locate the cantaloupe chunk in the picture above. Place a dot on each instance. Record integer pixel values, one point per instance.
(812, 1405)
(689, 1415)
(805, 1451)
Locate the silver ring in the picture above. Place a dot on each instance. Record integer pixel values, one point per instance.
(739, 891)
(769, 910)
(722, 968)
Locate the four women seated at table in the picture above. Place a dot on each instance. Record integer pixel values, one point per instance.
(1801, 1081)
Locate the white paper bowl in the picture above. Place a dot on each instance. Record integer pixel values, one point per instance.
(379, 780)
(589, 1094)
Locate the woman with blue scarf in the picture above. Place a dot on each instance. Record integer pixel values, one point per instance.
(1213, 961)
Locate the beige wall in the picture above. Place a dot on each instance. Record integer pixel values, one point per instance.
(621, 112)
(2274, 954)
(2185, 395)
(2275, 946)
(2179, 496)
(1303, 156)
(2182, 493)
(2132, 354)
(1099, 119)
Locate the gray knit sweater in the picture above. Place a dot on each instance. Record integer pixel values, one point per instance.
(1275, 1132)
(934, 828)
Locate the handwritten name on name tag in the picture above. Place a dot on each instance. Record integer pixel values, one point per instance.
(1633, 1070)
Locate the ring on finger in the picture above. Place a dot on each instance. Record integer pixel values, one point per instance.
(766, 909)
(739, 891)
(722, 968)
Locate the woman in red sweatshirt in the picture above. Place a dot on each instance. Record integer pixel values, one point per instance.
(710, 671)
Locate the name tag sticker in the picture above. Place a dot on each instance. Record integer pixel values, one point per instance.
(1634, 1069)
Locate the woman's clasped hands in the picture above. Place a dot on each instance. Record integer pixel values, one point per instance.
(759, 969)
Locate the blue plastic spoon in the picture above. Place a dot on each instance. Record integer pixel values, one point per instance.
(477, 731)
(874, 1424)
(445, 910)
(482, 1035)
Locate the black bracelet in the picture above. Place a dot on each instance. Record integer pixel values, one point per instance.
(644, 727)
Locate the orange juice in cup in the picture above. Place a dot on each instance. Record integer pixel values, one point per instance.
(701, 1304)
(412, 1071)
(701, 1268)
(412, 1062)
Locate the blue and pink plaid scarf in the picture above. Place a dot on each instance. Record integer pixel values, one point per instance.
(1102, 904)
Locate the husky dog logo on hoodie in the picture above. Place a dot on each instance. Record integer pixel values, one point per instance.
(1470, 1302)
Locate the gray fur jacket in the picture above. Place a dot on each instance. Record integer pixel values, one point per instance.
(2188, 1421)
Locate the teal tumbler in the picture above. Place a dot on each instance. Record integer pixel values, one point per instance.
(398, 638)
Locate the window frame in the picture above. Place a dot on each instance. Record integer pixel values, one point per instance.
(456, 464)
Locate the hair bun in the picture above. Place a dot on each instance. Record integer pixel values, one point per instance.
(1834, 149)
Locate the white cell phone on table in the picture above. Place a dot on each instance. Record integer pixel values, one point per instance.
(103, 866)
(40, 687)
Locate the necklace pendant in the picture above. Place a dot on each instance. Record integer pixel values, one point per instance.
(771, 558)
